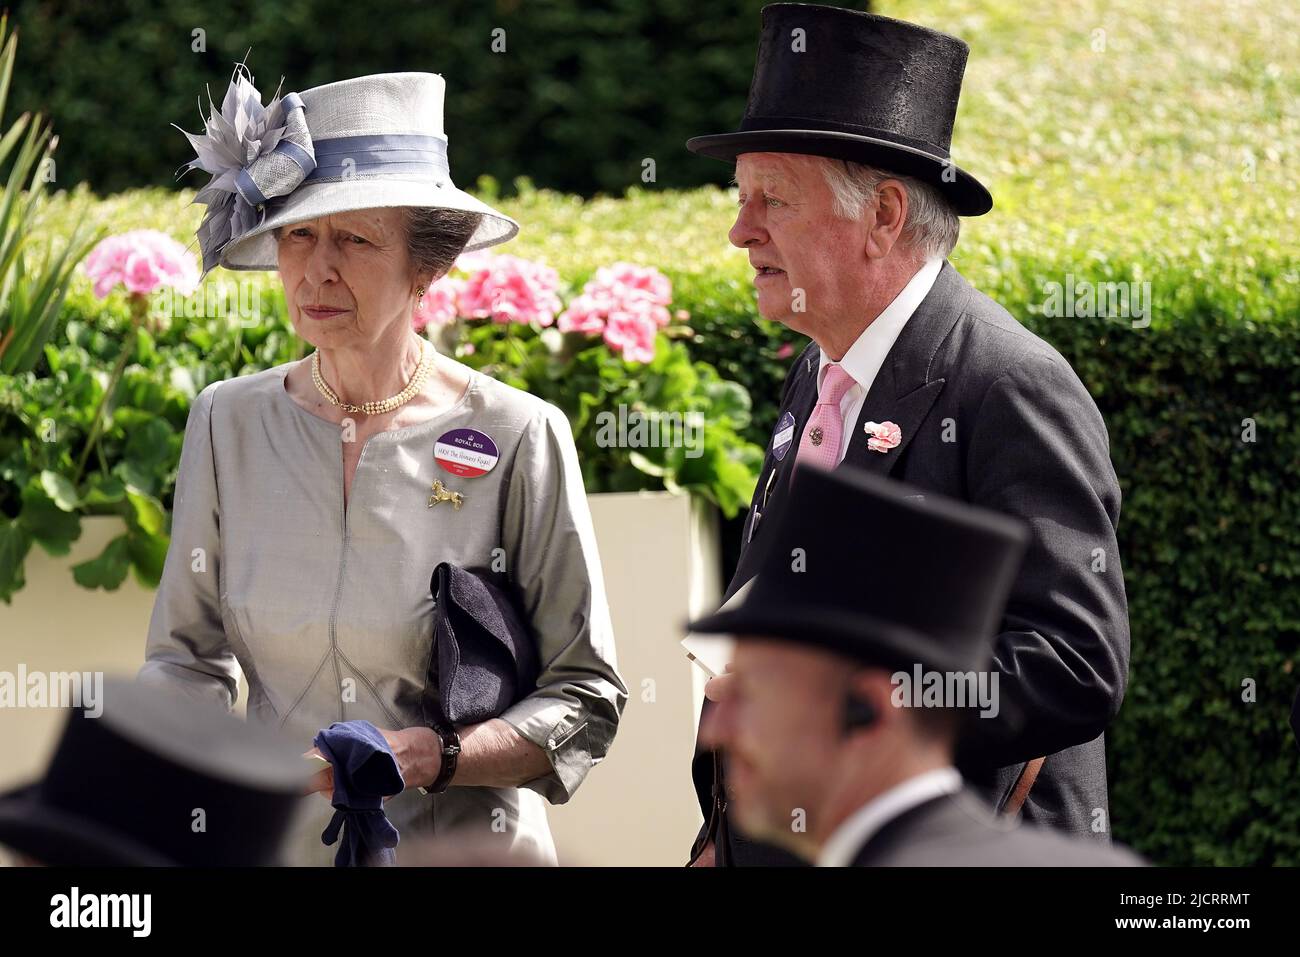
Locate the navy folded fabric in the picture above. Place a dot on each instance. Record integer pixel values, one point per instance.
(365, 772)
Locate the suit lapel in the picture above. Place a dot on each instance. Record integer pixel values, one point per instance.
(901, 829)
(903, 391)
(774, 480)
(884, 403)
(802, 401)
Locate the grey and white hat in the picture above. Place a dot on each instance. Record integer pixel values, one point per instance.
(356, 144)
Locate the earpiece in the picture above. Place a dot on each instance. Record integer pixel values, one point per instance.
(858, 713)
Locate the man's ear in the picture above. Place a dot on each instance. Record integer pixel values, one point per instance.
(873, 689)
(891, 210)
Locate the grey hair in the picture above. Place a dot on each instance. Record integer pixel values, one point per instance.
(932, 226)
(434, 237)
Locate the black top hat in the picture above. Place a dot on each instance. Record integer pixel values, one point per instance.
(883, 576)
(855, 86)
(122, 788)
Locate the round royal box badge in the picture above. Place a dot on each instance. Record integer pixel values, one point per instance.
(468, 453)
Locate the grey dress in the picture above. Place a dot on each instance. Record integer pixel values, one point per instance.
(329, 614)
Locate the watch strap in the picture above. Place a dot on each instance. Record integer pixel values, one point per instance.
(449, 747)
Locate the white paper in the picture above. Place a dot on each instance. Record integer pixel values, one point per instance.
(713, 652)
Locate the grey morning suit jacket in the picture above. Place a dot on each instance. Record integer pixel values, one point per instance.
(958, 830)
(993, 415)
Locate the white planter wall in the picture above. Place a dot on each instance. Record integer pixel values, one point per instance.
(659, 553)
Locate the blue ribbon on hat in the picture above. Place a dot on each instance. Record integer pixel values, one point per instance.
(388, 153)
(399, 155)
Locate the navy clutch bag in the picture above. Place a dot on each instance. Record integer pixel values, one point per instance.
(484, 656)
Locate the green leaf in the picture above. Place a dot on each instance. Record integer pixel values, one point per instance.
(200, 337)
(643, 464)
(131, 474)
(60, 490)
(146, 352)
(104, 490)
(14, 545)
(54, 529)
(108, 571)
(145, 513)
(149, 449)
(148, 554)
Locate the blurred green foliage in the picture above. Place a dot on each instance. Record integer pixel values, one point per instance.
(582, 94)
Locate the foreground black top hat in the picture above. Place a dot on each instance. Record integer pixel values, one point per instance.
(855, 86)
(122, 788)
(880, 575)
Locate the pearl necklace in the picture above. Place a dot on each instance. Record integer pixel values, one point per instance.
(375, 408)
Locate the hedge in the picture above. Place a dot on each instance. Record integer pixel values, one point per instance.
(583, 93)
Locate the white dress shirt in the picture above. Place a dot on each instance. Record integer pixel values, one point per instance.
(865, 357)
(859, 827)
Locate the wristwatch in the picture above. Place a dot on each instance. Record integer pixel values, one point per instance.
(450, 750)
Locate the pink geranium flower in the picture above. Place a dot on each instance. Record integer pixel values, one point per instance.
(638, 281)
(626, 304)
(142, 261)
(632, 333)
(588, 311)
(511, 289)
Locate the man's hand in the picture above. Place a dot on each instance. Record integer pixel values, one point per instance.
(717, 689)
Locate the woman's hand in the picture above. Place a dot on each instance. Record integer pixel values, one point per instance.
(416, 750)
(322, 780)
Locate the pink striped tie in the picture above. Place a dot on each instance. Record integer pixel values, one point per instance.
(820, 444)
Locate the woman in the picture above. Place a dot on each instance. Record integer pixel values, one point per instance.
(312, 500)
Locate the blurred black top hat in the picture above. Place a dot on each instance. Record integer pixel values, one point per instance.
(855, 86)
(122, 788)
(884, 573)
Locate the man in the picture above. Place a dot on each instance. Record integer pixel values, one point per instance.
(833, 752)
(849, 206)
(158, 780)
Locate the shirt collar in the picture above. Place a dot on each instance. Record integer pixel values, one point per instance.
(860, 826)
(867, 354)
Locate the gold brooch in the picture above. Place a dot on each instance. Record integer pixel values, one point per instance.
(443, 494)
(815, 436)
